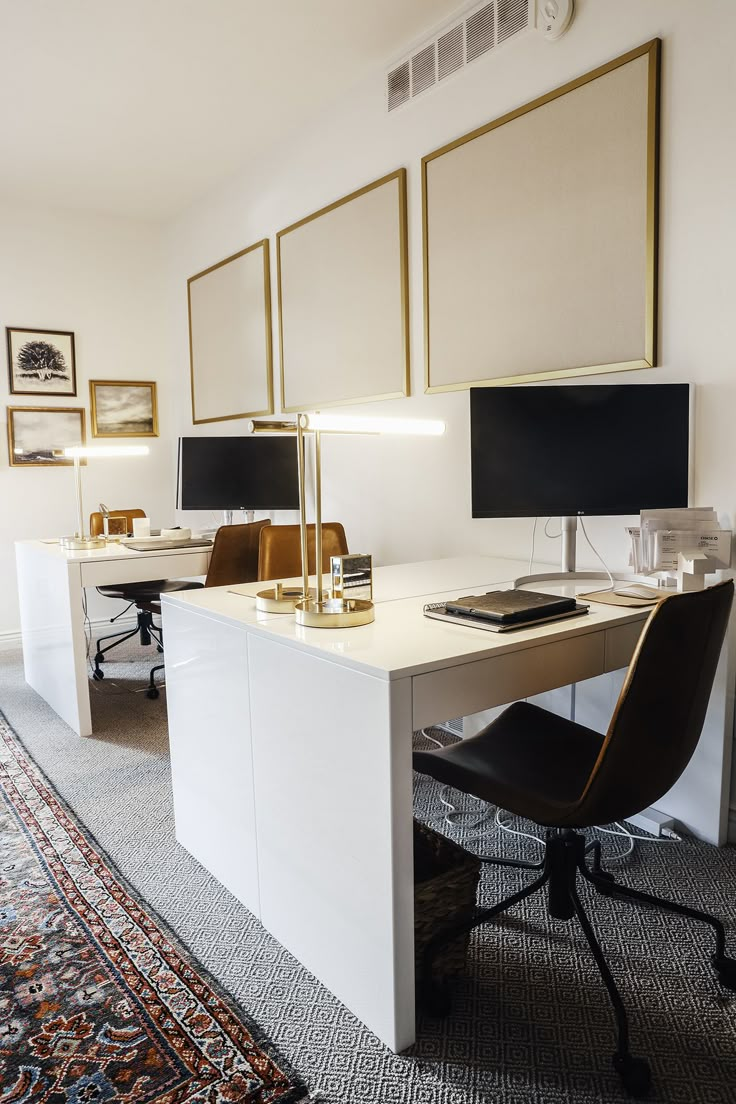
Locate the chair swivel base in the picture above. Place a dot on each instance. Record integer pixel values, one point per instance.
(145, 628)
(564, 861)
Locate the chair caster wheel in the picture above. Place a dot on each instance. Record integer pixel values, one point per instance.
(100, 658)
(153, 693)
(159, 648)
(636, 1077)
(726, 970)
(98, 676)
(436, 1000)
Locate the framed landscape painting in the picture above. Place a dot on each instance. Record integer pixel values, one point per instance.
(41, 362)
(38, 435)
(123, 408)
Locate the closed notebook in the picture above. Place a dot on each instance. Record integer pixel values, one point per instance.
(511, 605)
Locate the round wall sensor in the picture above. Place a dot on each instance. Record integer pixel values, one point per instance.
(554, 17)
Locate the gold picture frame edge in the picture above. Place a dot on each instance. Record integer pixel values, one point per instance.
(652, 48)
(43, 410)
(93, 384)
(263, 244)
(35, 329)
(400, 175)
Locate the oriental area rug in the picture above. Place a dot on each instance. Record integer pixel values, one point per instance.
(98, 1001)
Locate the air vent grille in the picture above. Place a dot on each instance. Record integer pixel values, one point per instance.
(450, 55)
(513, 16)
(482, 28)
(423, 74)
(399, 86)
(480, 32)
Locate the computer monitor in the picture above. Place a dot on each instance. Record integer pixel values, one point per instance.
(238, 473)
(607, 449)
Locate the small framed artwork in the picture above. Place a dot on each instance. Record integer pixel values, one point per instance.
(41, 362)
(38, 435)
(123, 408)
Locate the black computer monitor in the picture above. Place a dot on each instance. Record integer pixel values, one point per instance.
(234, 473)
(607, 449)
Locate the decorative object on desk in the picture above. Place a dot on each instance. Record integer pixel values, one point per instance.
(141, 528)
(114, 526)
(230, 337)
(38, 435)
(320, 610)
(82, 539)
(123, 408)
(131, 1015)
(574, 180)
(343, 299)
(687, 544)
(41, 362)
(445, 887)
(352, 576)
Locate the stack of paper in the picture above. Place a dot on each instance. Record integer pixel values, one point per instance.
(663, 534)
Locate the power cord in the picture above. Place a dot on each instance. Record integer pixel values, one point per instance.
(531, 554)
(597, 554)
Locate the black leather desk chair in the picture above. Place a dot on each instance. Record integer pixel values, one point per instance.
(567, 777)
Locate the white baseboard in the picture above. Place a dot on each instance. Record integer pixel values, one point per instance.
(11, 638)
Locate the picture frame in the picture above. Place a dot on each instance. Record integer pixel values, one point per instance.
(123, 408)
(230, 343)
(343, 300)
(38, 434)
(41, 362)
(549, 212)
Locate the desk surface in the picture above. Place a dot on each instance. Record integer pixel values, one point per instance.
(106, 554)
(401, 641)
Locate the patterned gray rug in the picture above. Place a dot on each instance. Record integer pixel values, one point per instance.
(530, 1022)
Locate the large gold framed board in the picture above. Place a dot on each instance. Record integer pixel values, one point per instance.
(540, 235)
(343, 298)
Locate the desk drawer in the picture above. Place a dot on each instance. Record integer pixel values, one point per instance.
(620, 644)
(469, 688)
(177, 566)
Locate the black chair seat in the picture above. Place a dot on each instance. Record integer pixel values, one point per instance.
(529, 761)
(146, 590)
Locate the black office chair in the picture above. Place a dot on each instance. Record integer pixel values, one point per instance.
(135, 594)
(567, 777)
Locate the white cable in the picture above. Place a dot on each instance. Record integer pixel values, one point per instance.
(551, 536)
(630, 835)
(515, 831)
(531, 554)
(595, 551)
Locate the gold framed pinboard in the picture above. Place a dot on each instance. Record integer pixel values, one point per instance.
(343, 300)
(540, 235)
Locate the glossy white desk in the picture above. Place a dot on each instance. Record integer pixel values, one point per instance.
(291, 756)
(51, 584)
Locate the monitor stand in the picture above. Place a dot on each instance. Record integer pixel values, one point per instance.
(568, 572)
(227, 516)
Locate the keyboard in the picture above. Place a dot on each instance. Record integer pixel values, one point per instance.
(162, 545)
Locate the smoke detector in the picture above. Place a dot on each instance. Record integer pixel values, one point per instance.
(554, 17)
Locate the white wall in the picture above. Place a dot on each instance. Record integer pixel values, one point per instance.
(101, 278)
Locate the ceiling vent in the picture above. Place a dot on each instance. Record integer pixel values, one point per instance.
(480, 29)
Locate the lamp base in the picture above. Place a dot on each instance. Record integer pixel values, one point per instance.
(280, 599)
(334, 613)
(82, 543)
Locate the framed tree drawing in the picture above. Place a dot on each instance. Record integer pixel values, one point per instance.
(122, 408)
(41, 362)
(38, 435)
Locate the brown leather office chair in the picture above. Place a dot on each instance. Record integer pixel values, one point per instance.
(234, 559)
(135, 594)
(567, 777)
(280, 555)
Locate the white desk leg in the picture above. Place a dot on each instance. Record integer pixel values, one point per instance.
(332, 768)
(209, 734)
(52, 627)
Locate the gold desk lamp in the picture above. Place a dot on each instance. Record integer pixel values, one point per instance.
(82, 539)
(315, 608)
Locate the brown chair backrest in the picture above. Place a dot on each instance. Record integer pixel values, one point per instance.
(660, 712)
(96, 527)
(280, 555)
(234, 556)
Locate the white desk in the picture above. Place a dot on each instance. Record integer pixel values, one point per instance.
(291, 756)
(51, 582)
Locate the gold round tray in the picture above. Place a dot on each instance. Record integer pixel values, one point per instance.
(334, 613)
(279, 599)
(82, 543)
